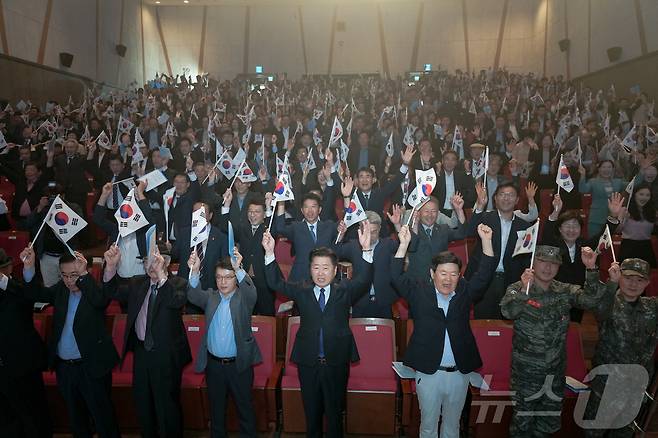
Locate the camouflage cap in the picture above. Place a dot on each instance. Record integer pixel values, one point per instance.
(635, 267)
(548, 254)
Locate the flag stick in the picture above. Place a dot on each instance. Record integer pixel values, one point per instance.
(34, 239)
(236, 175)
(612, 246)
(337, 238)
(211, 170)
(273, 214)
(123, 180)
(411, 215)
(558, 189)
(69, 248)
(116, 242)
(532, 258)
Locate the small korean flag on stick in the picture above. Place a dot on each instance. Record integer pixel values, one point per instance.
(354, 213)
(129, 216)
(563, 178)
(64, 221)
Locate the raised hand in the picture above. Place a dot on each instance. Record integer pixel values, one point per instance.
(530, 190)
(408, 154)
(112, 257)
(557, 204)
(588, 257)
(268, 243)
(341, 228)
(228, 198)
(582, 170)
(485, 232)
(28, 257)
(616, 205)
(236, 260)
(80, 263)
(194, 262)
(364, 235)
(347, 186)
(457, 201)
(527, 278)
(404, 235)
(107, 189)
(396, 214)
(615, 272)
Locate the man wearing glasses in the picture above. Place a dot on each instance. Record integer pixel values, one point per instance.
(505, 224)
(80, 349)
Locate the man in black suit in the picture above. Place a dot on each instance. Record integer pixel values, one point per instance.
(430, 238)
(451, 180)
(305, 235)
(159, 162)
(505, 224)
(363, 154)
(442, 348)
(97, 164)
(180, 211)
(116, 172)
(70, 174)
(381, 295)
(23, 407)
(156, 334)
(209, 251)
(228, 349)
(324, 346)
(30, 183)
(185, 156)
(249, 235)
(80, 350)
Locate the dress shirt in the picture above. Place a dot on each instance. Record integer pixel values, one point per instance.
(450, 189)
(67, 347)
(505, 229)
(448, 358)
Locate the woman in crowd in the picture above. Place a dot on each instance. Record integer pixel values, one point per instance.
(638, 226)
(601, 187)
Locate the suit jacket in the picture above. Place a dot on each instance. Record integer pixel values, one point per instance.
(101, 172)
(425, 348)
(216, 249)
(242, 305)
(339, 345)
(422, 248)
(379, 196)
(180, 216)
(463, 184)
(170, 340)
(302, 241)
(514, 266)
(71, 176)
(355, 153)
(94, 342)
(385, 295)
(251, 248)
(21, 349)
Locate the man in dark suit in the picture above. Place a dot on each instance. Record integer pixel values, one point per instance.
(451, 180)
(117, 171)
(430, 238)
(381, 295)
(305, 235)
(505, 224)
(80, 349)
(30, 185)
(156, 334)
(185, 156)
(159, 162)
(70, 174)
(362, 154)
(180, 211)
(209, 251)
(228, 349)
(324, 346)
(442, 348)
(249, 235)
(97, 164)
(24, 411)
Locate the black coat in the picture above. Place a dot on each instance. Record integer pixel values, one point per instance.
(216, 249)
(425, 348)
(339, 345)
(94, 342)
(21, 349)
(464, 184)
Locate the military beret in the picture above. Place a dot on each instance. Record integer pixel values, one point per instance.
(548, 254)
(635, 267)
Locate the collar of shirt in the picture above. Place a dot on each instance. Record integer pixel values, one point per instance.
(502, 219)
(315, 224)
(442, 300)
(428, 227)
(327, 291)
(159, 284)
(227, 297)
(366, 193)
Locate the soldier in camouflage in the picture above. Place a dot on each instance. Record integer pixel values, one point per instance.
(627, 335)
(541, 320)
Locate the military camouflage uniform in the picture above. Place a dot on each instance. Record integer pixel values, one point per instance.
(541, 321)
(627, 335)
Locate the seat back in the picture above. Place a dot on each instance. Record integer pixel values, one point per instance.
(264, 331)
(652, 289)
(402, 309)
(283, 252)
(375, 340)
(575, 357)
(194, 329)
(118, 335)
(545, 202)
(13, 242)
(293, 327)
(40, 325)
(460, 249)
(494, 341)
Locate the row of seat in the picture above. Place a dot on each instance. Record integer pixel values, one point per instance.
(373, 390)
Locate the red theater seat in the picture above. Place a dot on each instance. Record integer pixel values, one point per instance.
(460, 249)
(283, 251)
(545, 199)
(192, 382)
(122, 379)
(291, 395)
(372, 385)
(652, 289)
(13, 242)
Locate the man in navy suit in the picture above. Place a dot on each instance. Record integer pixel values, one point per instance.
(324, 346)
(506, 225)
(209, 251)
(381, 295)
(442, 348)
(180, 212)
(305, 235)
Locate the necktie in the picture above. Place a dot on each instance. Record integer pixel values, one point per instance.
(429, 232)
(315, 237)
(174, 202)
(254, 228)
(367, 198)
(115, 194)
(200, 254)
(140, 323)
(148, 336)
(321, 301)
(68, 160)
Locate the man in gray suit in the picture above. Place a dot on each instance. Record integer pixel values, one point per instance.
(228, 350)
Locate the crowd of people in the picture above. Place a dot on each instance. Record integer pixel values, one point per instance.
(381, 173)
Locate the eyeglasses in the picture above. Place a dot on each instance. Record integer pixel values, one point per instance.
(224, 277)
(69, 276)
(508, 195)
